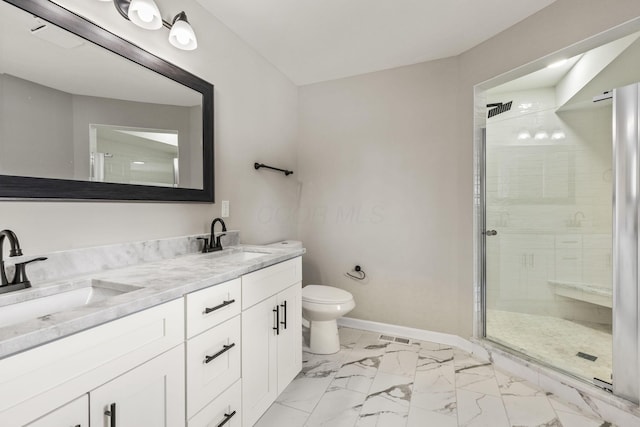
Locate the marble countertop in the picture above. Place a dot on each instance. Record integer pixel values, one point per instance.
(158, 282)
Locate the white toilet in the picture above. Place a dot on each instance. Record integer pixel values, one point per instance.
(322, 306)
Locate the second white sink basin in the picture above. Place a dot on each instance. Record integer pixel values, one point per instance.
(33, 303)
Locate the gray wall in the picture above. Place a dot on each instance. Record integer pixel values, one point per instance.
(255, 120)
(398, 146)
(35, 130)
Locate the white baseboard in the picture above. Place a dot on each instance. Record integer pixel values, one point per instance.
(406, 332)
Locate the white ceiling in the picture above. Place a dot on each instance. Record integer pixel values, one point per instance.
(318, 40)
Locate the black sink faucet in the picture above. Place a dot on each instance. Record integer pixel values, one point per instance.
(213, 243)
(19, 280)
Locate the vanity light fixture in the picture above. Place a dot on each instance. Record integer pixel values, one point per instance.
(145, 14)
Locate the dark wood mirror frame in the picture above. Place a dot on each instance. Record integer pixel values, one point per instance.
(20, 187)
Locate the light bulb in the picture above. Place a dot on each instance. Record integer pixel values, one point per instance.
(182, 35)
(145, 14)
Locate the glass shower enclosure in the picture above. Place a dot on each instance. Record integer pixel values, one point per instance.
(560, 187)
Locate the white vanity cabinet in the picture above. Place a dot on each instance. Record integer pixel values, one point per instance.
(271, 335)
(41, 380)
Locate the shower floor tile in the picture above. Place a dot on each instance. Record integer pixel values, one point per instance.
(555, 341)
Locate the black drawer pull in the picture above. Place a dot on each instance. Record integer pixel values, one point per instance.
(227, 417)
(208, 310)
(284, 324)
(277, 327)
(111, 413)
(225, 348)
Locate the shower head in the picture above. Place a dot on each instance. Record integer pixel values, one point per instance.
(498, 108)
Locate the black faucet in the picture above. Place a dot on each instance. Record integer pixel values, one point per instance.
(20, 280)
(213, 244)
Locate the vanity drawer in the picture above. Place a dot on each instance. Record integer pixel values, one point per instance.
(222, 302)
(269, 281)
(226, 406)
(211, 368)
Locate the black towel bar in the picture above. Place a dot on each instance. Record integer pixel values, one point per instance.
(262, 165)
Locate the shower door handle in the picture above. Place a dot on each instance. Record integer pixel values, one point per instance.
(490, 232)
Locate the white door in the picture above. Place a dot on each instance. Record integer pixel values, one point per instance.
(152, 394)
(259, 365)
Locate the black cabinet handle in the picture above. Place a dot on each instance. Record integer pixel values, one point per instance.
(284, 305)
(227, 417)
(208, 310)
(225, 348)
(277, 327)
(78, 425)
(111, 413)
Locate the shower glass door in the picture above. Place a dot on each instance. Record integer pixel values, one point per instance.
(548, 221)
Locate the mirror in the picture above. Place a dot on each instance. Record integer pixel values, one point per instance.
(85, 114)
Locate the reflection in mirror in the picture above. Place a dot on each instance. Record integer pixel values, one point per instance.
(134, 156)
(73, 110)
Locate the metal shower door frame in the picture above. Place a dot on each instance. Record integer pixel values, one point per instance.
(626, 246)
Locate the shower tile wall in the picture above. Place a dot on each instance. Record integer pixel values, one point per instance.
(548, 181)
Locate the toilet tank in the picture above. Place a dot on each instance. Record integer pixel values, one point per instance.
(291, 244)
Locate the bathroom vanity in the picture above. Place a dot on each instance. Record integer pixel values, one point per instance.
(222, 330)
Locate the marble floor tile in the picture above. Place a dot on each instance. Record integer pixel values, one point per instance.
(572, 416)
(383, 419)
(349, 337)
(388, 401)
(337, 408)
(530, 411)
(429, 385)
(479, 378)
(510, 385)
(419, 417)
(304, 393)
(357, 374)
(283, 416)
(399, 360)
(480, 410)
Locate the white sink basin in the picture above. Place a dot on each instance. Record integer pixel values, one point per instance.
(30, 304)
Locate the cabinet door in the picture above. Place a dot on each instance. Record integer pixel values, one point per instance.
(149, 395)
(290, 338)
(259, 365)
(73, 414)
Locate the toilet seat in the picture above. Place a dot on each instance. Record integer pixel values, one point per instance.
(325, 295)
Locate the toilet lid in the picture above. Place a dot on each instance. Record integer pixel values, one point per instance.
(325, 294)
